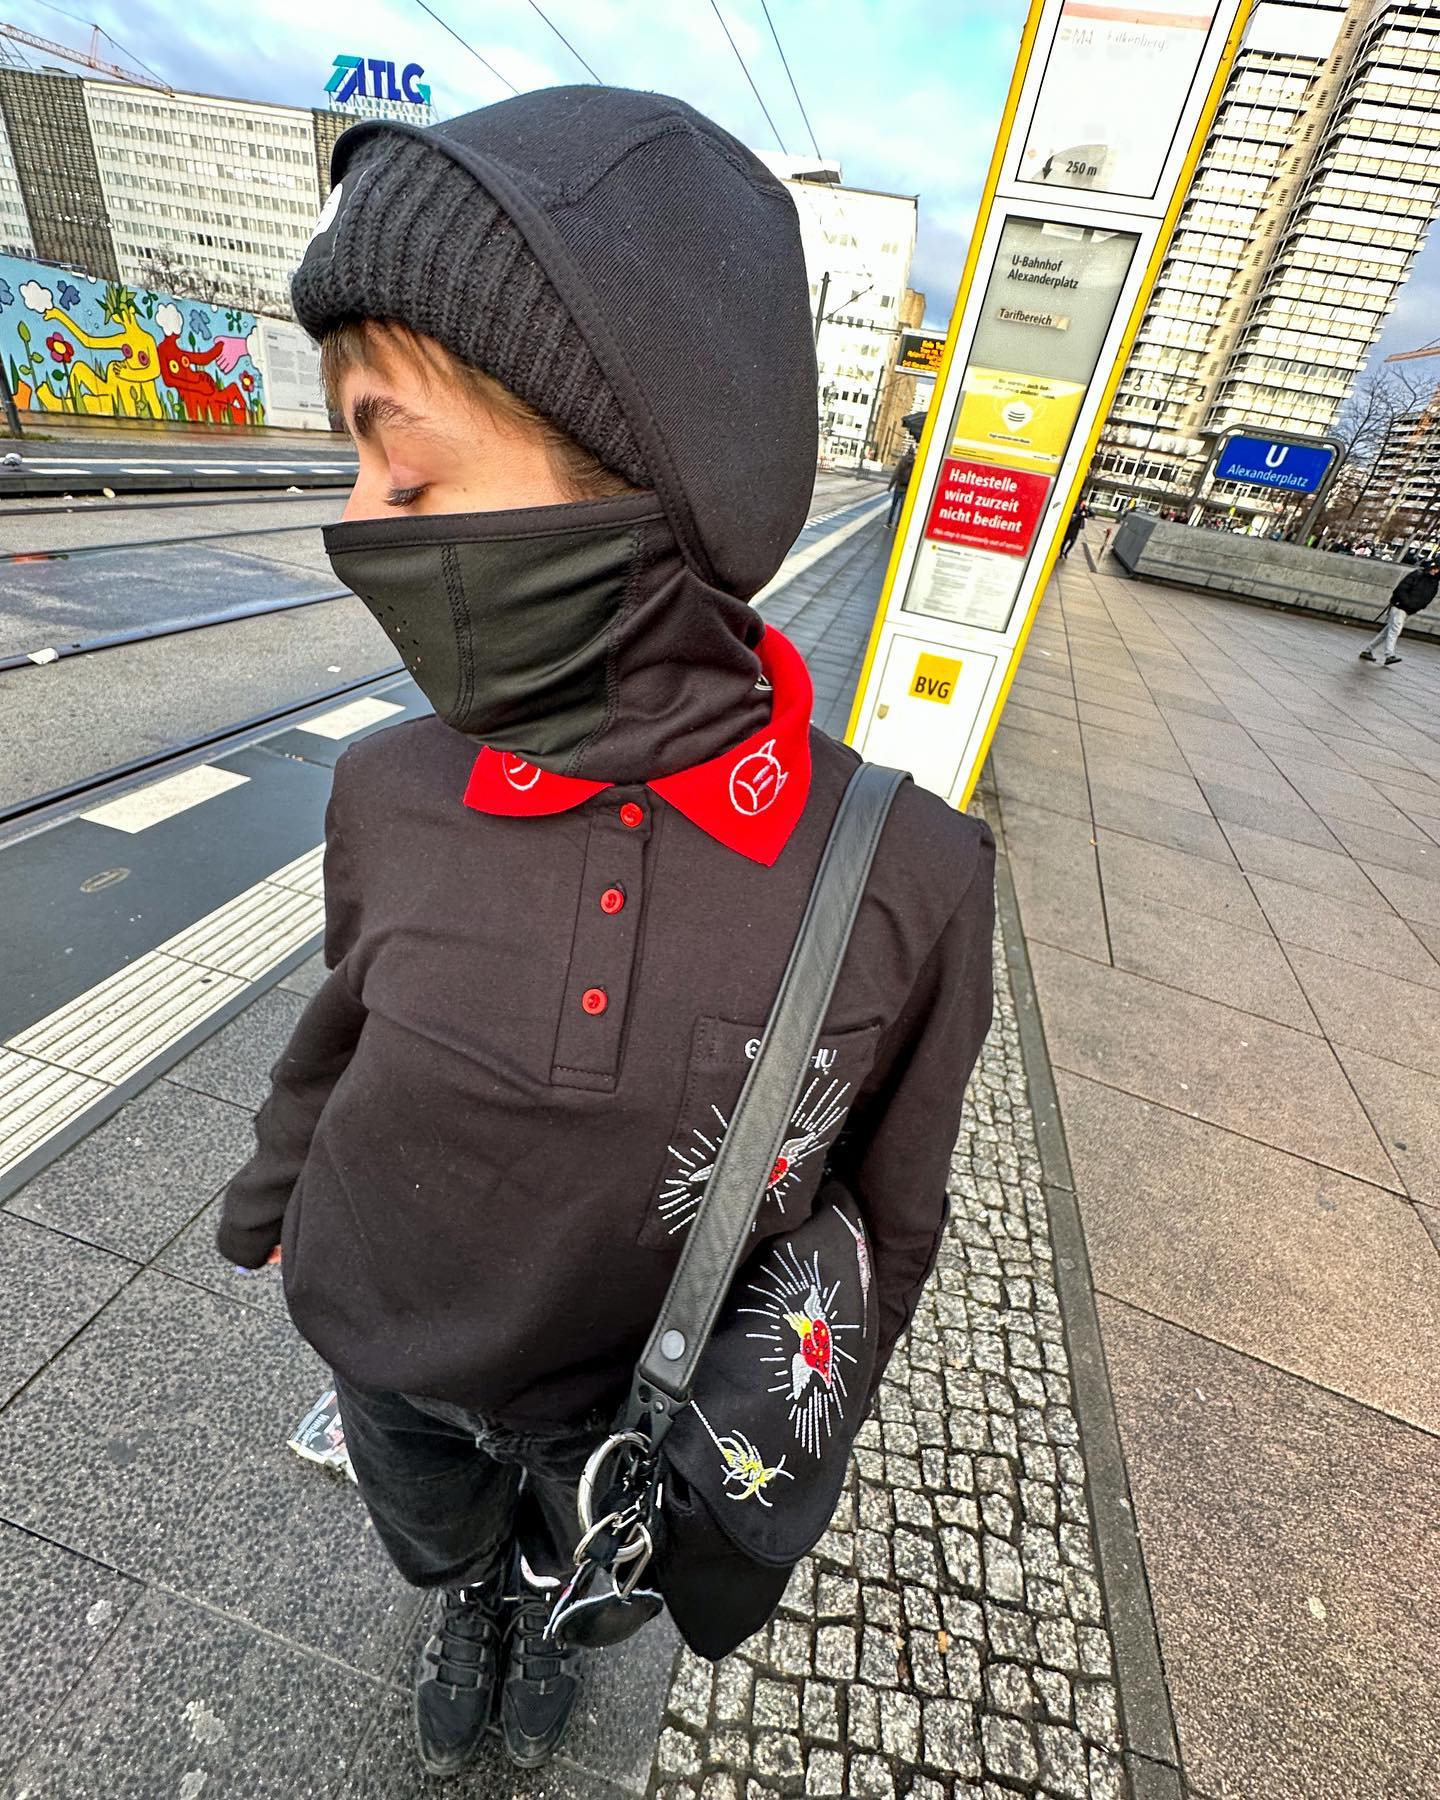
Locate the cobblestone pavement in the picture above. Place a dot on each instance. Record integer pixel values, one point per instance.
(947, 1639)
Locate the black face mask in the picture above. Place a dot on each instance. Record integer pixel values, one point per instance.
(506, 620)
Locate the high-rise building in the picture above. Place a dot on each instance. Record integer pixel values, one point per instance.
(858, 247)
(191, 192)
(1313, 194)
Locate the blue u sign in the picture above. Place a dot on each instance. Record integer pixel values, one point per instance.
(1269, 463)
(349, 80)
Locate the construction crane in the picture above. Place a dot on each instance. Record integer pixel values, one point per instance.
(1410, 355)
(90, 60)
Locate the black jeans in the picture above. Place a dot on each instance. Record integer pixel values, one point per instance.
(452, 1493)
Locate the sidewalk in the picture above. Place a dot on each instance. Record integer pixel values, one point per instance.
(1225, 837)
(1216, 823)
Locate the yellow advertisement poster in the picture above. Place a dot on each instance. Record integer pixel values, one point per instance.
(1025, 420)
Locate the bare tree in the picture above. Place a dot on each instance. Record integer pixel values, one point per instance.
(165, 272)
(1378, 412)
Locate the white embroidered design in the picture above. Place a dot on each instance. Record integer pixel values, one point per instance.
(746, 1473)
(756, 781)
(814, 1122)
(521, 775)
(327, 211)
(796, 1305)
(862, 1258)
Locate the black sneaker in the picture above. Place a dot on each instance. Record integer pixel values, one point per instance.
(542, 1684)
(457, 1677)
(1366, 656)
(1393, 659)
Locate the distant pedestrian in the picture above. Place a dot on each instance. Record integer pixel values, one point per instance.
(899, 485)
(1074, 528)
(1413, 593)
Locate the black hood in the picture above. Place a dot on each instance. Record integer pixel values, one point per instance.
(677, 255)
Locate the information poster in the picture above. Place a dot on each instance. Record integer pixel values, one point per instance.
(1114, 88)
(1048, 304)
(1050, 299)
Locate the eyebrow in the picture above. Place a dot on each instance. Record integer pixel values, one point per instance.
(371, 411)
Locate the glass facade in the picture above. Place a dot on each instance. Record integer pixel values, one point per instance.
(1313, 194)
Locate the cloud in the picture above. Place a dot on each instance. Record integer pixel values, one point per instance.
(38, 299)
(168, 318)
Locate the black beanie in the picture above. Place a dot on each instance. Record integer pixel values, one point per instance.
(423, 244)
(620, 263)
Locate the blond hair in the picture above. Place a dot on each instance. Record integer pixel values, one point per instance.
(374, 343)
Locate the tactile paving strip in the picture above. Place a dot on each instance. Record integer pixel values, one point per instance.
(54, 1070)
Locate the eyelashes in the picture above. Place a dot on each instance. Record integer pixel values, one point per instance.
(404, 496)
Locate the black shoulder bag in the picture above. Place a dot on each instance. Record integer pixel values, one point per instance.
(728, 1462)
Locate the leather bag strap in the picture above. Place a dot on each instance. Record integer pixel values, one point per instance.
(719, 1234)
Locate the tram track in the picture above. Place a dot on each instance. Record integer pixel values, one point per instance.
(41, 809)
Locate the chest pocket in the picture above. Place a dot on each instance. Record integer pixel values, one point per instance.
(720, 1058)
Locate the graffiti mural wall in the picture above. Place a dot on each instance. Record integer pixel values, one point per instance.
(71, 344)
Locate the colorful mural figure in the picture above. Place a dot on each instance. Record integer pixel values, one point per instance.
(74, 344)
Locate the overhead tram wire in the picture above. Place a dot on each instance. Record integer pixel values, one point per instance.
(566, 42)
(465, 45)
(746, 72)
(814, 143)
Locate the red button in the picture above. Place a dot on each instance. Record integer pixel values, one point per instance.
(632, 815)
(612, 900)
(594, 1000)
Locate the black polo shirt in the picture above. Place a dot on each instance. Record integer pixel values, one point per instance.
(494, 1122)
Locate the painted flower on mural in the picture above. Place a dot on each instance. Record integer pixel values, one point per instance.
(247, 381)
(60, 348)
(69, 293)
(199, 324)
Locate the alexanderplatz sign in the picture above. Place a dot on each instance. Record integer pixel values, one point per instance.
(1106, 116)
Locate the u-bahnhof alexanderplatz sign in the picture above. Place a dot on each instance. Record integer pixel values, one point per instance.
(1105, 118)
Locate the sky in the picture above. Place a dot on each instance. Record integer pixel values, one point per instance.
(905, 93)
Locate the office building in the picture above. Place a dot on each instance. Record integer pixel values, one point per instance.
(1311, 200)
(858, 248)
(190, 192)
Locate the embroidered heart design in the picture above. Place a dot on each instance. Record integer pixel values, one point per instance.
(815, 1348)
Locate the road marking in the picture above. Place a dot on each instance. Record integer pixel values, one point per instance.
(344, 721)
(161, 800)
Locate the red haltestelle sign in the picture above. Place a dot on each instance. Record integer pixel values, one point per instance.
(985, 507)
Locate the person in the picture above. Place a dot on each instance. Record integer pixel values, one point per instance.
(1074, 527)
(557, 910)
(900, 484)
(1413, 593)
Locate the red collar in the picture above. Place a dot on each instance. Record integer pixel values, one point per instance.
(750, 798)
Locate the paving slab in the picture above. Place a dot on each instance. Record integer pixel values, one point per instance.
(1263, 1080)
(1200, 884)
(57, 1611)
(1343, 928)
(1414, 897)
(144, 1174)
(156, 1444)
(1365, 1010)
(182, 1701)
(51, 1286)
(1234, 806)
(1290, 1544)
(1057, 878)
(1405, 1109)
(192, 1257)
(1326, 871)
(1310, 1270)
(1235, 964)
(235, 1064)
(1179, 827)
